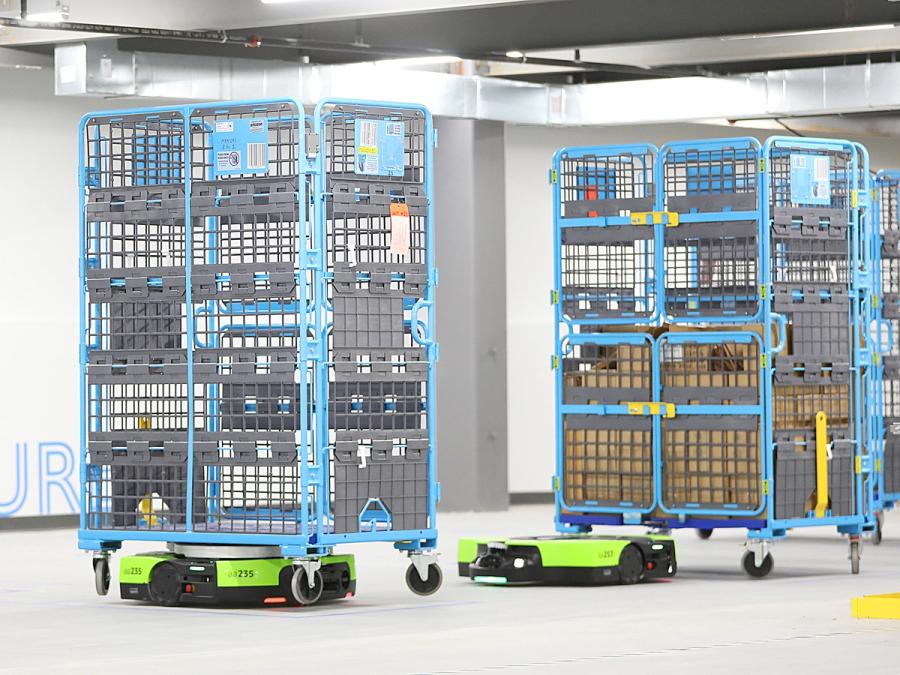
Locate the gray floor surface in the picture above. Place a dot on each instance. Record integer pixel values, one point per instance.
(711, 618)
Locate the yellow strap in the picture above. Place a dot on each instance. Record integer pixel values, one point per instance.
(821, 464)
(651, 408)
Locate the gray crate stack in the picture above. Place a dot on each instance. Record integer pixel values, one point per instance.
(810, 263)
(246, 230)
(134, 262)
(889, 186)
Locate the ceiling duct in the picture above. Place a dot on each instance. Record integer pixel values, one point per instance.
(97, 67)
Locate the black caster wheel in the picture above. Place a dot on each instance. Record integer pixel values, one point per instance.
(429, 585)
(631, 565)
(303, 592)
(101, 575)
(704, 534)
(165, 585)
(854, 556)
(877, 536)
(748, 562)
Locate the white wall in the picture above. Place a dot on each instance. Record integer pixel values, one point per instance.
(529, 270)
(38, 282)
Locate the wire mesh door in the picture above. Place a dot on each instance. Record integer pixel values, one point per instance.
(812, 268)
(607, 455)
(608, 264)
(249, 306)
(135, 399)
(711, 256)
(711, 448)
(888, 186)
(377, 379)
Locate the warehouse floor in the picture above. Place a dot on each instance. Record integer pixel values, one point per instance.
(710, 618)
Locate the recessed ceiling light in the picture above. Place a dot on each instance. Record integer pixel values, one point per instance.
(515, 54)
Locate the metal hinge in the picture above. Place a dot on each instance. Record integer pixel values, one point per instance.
(767, 484)
(554, 297)
(875, 358)
(854, 199)
(553, 176)
(667, 218)
(312, 144)
(763, 292)
(762, 164)
(554, 362)
(555, 483)
(875, 301)
(763, 360)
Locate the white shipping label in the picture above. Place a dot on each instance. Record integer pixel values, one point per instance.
(224, 127)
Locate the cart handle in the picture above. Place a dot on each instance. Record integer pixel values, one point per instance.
(782, 333)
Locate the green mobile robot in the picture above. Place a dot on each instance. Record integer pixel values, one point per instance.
(208, 575)
(567, 560)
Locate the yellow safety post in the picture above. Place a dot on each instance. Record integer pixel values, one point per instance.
(821, 464)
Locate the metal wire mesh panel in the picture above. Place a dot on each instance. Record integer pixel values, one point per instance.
(607, 271)
(607, 459)
(135, 228)
(892, 461)
(375, 205)
(795, 474)
(698, 372)
(380, 482)
(375, 223)
(712, 462)
(607, 373)
(712, 267)
(249, 486)
(889, 215)
(135, 323)
(134, 149)
(796, 406)
(712, 270)
(137, 484)
(241, 142)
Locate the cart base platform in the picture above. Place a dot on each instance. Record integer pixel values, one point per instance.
(567, 560)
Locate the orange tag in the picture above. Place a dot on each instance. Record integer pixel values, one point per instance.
(399, 229)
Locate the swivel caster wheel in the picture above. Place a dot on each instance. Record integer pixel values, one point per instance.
(425, 586)
(748, 562)
(704, 534)
(855, 550)
(877, 536)
(304, 593)
(101, 575)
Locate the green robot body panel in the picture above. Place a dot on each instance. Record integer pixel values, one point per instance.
(567, 560)
(168, 579)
